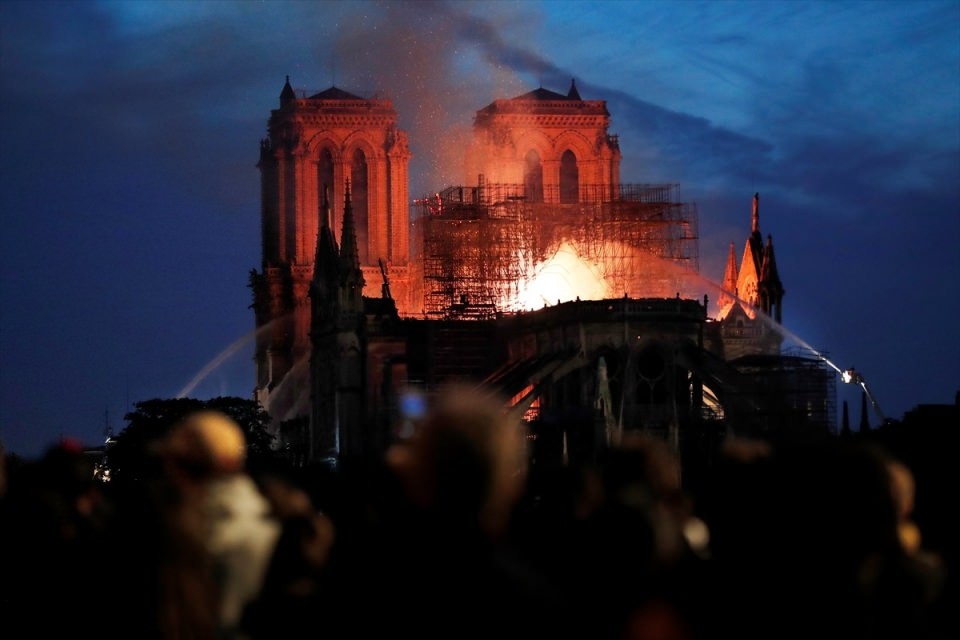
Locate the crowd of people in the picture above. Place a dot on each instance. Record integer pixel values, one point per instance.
(453, 534)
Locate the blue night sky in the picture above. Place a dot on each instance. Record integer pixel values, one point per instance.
(130, 196)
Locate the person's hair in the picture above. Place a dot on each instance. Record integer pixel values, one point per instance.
(467, 459)
(207, 443)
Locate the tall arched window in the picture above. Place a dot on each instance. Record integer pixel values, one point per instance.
(533, 177)
(569, 178)
(325, 179)
(359, 198)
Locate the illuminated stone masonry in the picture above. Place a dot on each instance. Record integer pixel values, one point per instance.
(574, 295)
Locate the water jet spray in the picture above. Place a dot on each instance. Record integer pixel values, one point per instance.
(852, 376)
(848, 376)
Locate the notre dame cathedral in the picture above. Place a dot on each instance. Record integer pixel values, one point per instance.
(573, 296)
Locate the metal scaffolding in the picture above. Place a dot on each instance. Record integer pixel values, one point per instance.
(789, 389)
(482, 244)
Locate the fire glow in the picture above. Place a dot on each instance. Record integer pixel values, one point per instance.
(564, 277)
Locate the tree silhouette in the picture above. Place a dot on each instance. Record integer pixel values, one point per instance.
(131, 455)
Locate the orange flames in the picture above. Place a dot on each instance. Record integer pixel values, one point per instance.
(564, 277)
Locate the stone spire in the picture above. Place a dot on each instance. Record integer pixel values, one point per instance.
(326, 262)
(573, 93)
(324, 318)
(351, 276)
(768, 267)
(770, 288)
(756, 238)
(349, 254)
(287, 94)
(748, 278)
(729, 293)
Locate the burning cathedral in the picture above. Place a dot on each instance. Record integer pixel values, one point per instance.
(574, 296)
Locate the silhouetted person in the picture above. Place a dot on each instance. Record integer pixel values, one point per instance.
(446, 571)
(159, 580)
(295, 596)
(629, 562)
(207, 455)
(52, 540)
(806, 542)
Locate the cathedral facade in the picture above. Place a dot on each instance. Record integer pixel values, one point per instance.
(317, 147)
(552, 144)
(751, 295)
(347, 320)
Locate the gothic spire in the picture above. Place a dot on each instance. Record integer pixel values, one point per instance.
(329, 243)
(287, 94)
(756, 238)
(351, 276)
(326, 263)
(769, 286)
(325, 208)
(748, 278)
(728, 294)
(768, 268)
(349, 255)
(573, 93)
(730, 275)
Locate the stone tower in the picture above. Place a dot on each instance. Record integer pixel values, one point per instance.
(757, 281)
(748, 278)
(770, 289)
(325, 140)
(338, 334)
(551, 143)
(754, 286)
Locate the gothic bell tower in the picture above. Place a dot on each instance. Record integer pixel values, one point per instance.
(555, 145)
(754, 286)
(327, 139)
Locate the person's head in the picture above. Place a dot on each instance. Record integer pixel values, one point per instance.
(207, 443)
(467, 461)
(903, 488)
